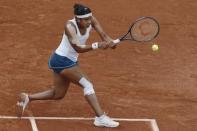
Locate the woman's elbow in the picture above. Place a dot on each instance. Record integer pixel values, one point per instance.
(79, 50)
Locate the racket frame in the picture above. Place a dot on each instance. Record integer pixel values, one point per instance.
(122, 38)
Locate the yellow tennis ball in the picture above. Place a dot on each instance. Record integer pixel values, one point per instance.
(155, 47)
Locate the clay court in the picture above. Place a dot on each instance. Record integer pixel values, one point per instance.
(146, 90)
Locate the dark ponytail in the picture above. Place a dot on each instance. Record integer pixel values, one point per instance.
(80, 9)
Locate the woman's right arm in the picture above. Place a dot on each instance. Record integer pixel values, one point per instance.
(70, 31)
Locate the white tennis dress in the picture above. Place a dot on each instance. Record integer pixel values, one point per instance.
(65, 48)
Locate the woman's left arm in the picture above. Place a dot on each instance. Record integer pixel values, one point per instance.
(96, 25)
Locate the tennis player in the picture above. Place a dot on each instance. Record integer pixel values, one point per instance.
(66, 68)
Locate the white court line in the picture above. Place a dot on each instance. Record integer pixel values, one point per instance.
(72, 118)
(152, 121)
(154, 125)
(33, 124)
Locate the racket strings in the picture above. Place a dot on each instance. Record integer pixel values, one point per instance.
(144, 29)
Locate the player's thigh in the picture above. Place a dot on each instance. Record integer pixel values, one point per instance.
(74, 74)
(60, 84)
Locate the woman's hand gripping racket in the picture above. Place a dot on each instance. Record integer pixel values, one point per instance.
(142, 30)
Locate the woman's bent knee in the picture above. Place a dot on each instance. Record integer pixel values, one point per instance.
(58, 97)
(58, 93)
(87, 86)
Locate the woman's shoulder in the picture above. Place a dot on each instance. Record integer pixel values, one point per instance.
(70, 23)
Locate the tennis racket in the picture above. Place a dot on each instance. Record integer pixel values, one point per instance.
(142, 30)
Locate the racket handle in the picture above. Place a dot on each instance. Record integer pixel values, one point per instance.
(116, 41)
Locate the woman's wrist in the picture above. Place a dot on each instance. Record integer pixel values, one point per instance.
(95, 45)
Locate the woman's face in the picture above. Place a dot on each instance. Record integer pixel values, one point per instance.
(85, 22)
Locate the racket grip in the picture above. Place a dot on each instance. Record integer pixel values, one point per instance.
(116, 41)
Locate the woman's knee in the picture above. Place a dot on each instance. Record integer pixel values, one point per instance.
(58, 97)
(59, 93)
(87, 86)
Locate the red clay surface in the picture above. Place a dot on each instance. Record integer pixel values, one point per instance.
(87, 126)
(131, 81)
(15, 125)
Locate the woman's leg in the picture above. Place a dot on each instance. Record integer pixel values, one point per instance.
(75, 74)
(92, 100)
(57, 92)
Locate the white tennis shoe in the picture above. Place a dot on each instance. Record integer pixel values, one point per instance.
(22, 104)
(105, 121)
